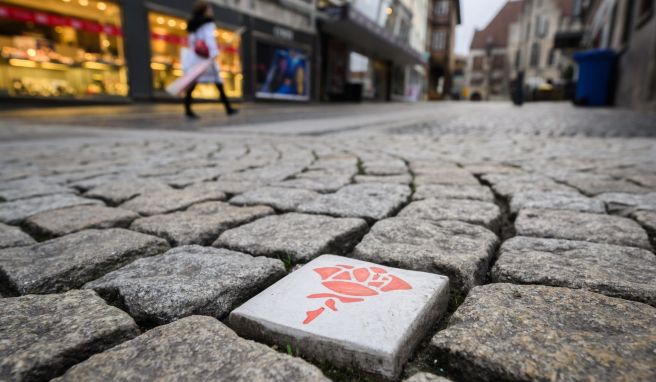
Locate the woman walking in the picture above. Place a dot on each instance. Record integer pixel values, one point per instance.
(202, 45)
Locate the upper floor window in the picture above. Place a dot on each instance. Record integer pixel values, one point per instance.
(498, 61)
(535, 55)
(541, 26)
(439, 40)
(441, 8)
(478, 63)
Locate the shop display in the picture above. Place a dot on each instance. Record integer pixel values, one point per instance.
(168, 36)
(282, 72)
(49, 54)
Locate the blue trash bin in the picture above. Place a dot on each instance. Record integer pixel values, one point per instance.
(596, 77)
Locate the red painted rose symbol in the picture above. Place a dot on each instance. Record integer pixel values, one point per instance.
(351, 284)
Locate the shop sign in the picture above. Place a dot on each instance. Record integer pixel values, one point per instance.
(26, 15)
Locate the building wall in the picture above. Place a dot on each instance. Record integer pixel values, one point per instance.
(279, 12)
(548, 14)
(636, 86)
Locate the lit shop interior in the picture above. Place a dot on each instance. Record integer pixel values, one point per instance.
(168, 36)
(61, 48)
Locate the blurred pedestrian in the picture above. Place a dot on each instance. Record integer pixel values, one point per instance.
(202, 45)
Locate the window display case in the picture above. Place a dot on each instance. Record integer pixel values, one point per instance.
(61, 48)
(169, 36)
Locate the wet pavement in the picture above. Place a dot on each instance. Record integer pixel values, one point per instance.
(134, 243)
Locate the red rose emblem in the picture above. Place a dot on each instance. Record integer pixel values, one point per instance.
(351, 284)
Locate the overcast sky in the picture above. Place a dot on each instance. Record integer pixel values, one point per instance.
(475, 14)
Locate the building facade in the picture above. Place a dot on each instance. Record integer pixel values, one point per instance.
(546, 67)
(628, 27)
(443, 17)
(521, 39)
(490, 62)
(372, 49)
(122, 50)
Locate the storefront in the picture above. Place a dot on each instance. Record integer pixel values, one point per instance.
(168, 36)
(62, 48)
(77, 50)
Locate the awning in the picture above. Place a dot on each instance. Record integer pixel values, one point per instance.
(348, 24)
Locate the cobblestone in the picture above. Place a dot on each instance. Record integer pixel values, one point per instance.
(70, 261)
(192, 348)
(571, 225)
(315, 187)
(459, 250)
(200, 224)
(615, 271)
(299, 237)
(63, 221)
(41, 336)
(186, 281)
(365, 200)
(533, 333)
(13, 237)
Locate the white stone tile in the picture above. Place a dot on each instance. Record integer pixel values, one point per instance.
(347, 312)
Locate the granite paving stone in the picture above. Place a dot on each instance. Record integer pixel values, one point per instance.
(72, 219)
(299, 237)
(29, 188)
(41, 336)
(506, 332)
(69, 261)
(557, 200)
(15, 212)
(350, 313)
(163, 201)
(397, 179)
(118, 191)
(185, 281)
(11, 236)
(647, 219)
(453, 191)
(193, 348)
(592, 184)
(612, 270)
(623, 203)
(571, 225)
(200, 224)
(233, 187)
(280, 198)
(469, 211)
(426, 377)
(460, 177)
(458, 250)
(371, 201)
(507, 185)
(323, 185)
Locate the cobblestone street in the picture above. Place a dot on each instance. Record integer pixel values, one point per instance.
(138, 248)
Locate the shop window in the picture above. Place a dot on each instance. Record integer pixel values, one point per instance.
(54, 49)
(168, 36)
(282, 72)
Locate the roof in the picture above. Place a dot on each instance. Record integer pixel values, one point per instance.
(497, 30)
